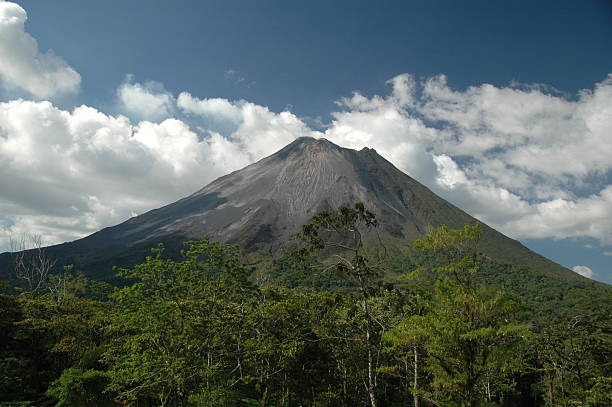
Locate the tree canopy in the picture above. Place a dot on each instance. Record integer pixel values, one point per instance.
(198, 330)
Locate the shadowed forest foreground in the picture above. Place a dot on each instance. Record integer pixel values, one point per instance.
(207, 330)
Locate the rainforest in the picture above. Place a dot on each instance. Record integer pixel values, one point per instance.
(331, 322)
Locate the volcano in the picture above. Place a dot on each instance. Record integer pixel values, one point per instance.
(262, 205)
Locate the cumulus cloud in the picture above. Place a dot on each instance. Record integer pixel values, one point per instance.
(148, 101)
(23, 66)
(241, 120)
(530, 131)
(215, 114)
(583, 271)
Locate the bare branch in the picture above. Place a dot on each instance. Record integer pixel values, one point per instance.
(31, 262)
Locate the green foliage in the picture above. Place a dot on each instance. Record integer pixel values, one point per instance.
(284, 272)
(326, 329)
(458, 249)
(14, 370)
(78, 387)
(222, 397)
(178, 328)
(574, 357)
(600, 394)
(467, 334)
(43, 335)
(471, 343)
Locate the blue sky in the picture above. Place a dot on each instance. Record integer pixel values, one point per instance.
(500, 107)
(309, 54)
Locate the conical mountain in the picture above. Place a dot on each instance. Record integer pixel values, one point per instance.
(260, 206)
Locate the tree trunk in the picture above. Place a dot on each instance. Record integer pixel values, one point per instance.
(371, 379)
(415, 387)
(371, 383)
(551, 391)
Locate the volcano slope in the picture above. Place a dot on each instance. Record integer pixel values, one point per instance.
(262, 205)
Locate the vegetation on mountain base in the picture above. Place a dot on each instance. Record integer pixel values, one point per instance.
(200, 332)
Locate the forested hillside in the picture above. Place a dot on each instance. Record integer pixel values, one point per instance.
(332, 322)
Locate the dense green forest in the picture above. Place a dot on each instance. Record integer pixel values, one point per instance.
(333, 322)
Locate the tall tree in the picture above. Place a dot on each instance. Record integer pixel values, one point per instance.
(468, 334)
(340, 236)
(406, 343)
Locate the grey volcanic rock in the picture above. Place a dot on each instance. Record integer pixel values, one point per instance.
(266, 202)
(260, 206)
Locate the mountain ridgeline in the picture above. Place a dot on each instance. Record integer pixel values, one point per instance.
(262, 205)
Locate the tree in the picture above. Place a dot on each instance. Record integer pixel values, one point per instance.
(406, 342)
(40, 336)
(177, 331)
(31, 262)
(340, 235)
(467, 334)
(16, 374)
(287, 361)
(574, 357)
(79, 387)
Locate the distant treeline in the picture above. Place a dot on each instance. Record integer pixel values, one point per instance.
(206, 330)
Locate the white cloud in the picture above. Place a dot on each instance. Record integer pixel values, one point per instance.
(23, 66)
(583, 271)
(560, 218)
(607, 253)
(213, 107)
(530, 132)
(241, 120)
(148, 101)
